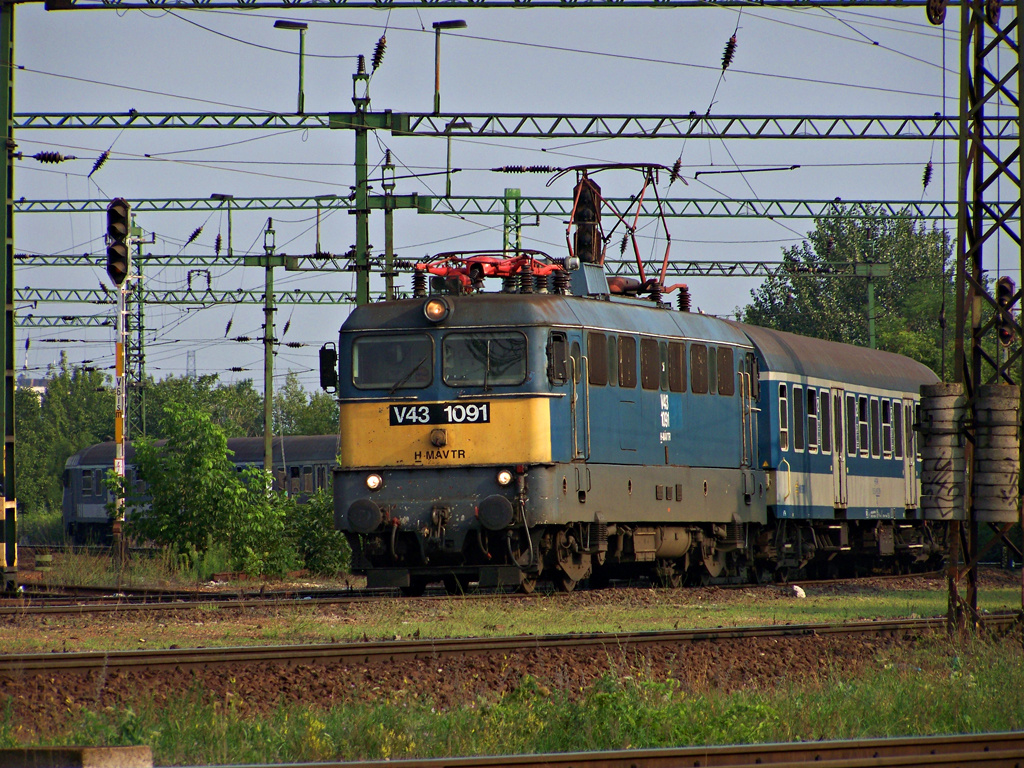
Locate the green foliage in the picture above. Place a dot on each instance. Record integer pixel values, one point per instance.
(908, 303)
(322, 549)
(236, 408)
(298, 413)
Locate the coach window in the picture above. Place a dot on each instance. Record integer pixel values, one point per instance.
(279, 478)
(597, 352)
(98, 482)
(851, 425)
(726, 378)
(613, 361)
(897, 422)
(321, 477)
(307, 479)
(876, 431)
(627, 361)
(783, 418)
(826, 422)
(699, 369)
(393, 362)
(887, 429)
(650, 364)
(484, 359)
(812, 421)
(676, 366)
(557, 367)
(87, 483)
(862, 424)
(798, 418)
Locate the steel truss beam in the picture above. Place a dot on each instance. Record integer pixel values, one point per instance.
(60, 5)
(537, 126)
(189, 298)
(64, 321)
(559, 207)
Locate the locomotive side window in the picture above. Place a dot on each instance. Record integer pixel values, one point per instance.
(663, 354)
(712, 370)
(597, 353)
(887, 429)
(676, 366)
(726, 378)
(798, 418)
(862, 422)
(783, 418)
(851, 425)
(613, 361)
(496, 358)
(699, 369)
(393, 362)
(627, 361)
(897, 421)
(576, 362)
(557, 368)
(650, 364)
(812, 421)
(876, 431)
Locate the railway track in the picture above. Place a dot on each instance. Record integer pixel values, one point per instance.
(398, 651)
(989, 750)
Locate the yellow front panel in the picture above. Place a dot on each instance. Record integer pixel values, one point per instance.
(519, 432)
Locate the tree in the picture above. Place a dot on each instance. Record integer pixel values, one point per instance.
(910, 305)
(298, 413)
(236, 408)
(35, 485)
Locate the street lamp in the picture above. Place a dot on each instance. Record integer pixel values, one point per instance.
(301, 26)
(225, 199)
(455, 125)
(438, 26)
(320, 199)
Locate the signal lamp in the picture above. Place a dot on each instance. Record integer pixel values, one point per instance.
(437, 310)
(1005, 290)
(118, 253)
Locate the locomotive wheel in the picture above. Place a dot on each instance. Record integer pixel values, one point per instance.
(417, 586)
(668, 575)
(573, 565)
(528, 585)
(564, 582)
(713, 561)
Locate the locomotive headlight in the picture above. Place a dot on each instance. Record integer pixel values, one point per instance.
(504, 477)
(374, 481)
(437, 309)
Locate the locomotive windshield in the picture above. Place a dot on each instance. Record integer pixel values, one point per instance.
(393, 362)
(484, 359)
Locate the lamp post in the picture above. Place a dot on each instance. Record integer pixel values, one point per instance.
(455, 125)
(438, 26)
(225, 199)
(301, 26)
(319, 200)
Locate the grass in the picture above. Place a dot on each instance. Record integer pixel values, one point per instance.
(939, 687)
(45, 527)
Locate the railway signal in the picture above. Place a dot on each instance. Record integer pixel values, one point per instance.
(1005, 290)
(118, 226)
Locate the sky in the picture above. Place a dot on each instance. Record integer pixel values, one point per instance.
(838, 61)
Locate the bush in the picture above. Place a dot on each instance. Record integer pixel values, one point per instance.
(310, 527)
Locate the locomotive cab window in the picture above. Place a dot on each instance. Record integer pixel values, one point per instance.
(783, 418)
(726, 379)
(393, 362)
(699, 369)
(491, 359)
(798, 418)
(627, 361)
(897, 422)
(650, 364)
(597, 357)
(558, 370)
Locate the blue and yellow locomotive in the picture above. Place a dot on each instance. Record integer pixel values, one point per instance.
(566, 428)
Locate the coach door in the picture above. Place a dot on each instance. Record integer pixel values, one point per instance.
(910, 480)
(839, 485)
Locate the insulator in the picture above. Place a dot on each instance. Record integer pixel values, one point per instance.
(242, 339)
(236, 369)
(730, 51)
(227, 328)
(287, 325)
(28, 343)
(99, 162)
(526, 277)
(936, 11)
(509, 284)
(361, 65)
(540, 283)
(50, 157)
(675, 170)
(216, 245)
(194, 236)
(378, 52)
(525, 169)
(419, 284)
(294, 344)
(562, 282)
(927, 178)
(622, 245)
(683, 299)
(655, 291)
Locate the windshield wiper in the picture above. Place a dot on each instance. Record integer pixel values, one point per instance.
(487, 367)
(407, 376)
